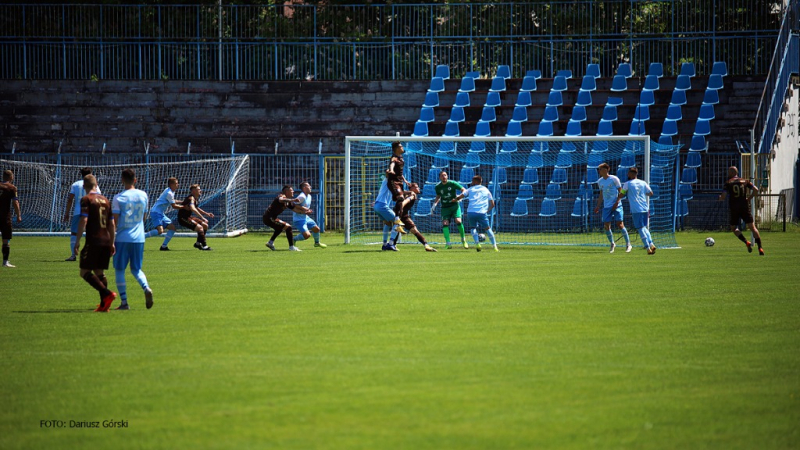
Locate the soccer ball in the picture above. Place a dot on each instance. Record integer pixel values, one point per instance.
(481, 237)
(710, 242)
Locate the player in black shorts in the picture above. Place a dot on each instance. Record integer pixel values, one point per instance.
(409, 198)
(191, 216)
(736, 189)
(8, 197)
(395, 179)
(282, 201)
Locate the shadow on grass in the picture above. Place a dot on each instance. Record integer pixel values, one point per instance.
(56, 311)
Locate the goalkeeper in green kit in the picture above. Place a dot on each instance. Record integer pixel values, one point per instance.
(446, 192)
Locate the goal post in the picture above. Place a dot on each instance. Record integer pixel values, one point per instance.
(544, 187)
(44, 188)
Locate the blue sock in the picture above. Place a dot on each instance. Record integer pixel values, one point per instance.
(72, 239)
(121, 286)
(140, 278)
(610, 236)
(386, 230)
(299, 237)
(643, 235)
(151, 233)
(475, 236)
(168, 238)
(650, 242)
(491, 236)
(625, 235)
(316, 236)
(394, 236)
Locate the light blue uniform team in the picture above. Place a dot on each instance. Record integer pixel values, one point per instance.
(78, 193)
(158, 214)
(480, 199)
(638, 192)
(302, 222)
(383, 207)
(130, 205)
(609, 187)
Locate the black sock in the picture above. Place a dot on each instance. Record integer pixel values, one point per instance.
(758, 242)
(742, 238)
(290, 237)
(95, 282)
(275, 235)
(201, 238)
(398, 208)
(103, 280)
(6, 252)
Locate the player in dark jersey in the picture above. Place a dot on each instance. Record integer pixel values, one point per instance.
(395, 178)
(736, 189)
(409, 199)
(279, 204)
(98, 222)
(191, 216)
(8, 198)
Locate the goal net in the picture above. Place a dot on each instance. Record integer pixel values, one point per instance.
(44, 187)
(545, 188)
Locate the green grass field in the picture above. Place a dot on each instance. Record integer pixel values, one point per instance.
(349, 347)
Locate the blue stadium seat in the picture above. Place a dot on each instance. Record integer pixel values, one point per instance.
(678, 98)
(689, 175)
(462, 99)
(661, 159)
(711, 97)
(715, 82)
(657, 69)
(614, 101)
(475, 75)
(553, 191)
(634, 146)
(545, 129)
(656, 191)
(628, 159)
(683, 208)
(559, 83)
(437, 85)
(457, 114)
(566, 73)
(683, 83)
(555, 99)
(528, 84)
(503, 160)
(520, 207)
(585, 191)
(647, 98)
(520, 114)
(605, 128)
(451, 129)
(420, 129)
(674, 112)
(651, 83)
(411, 160)
(670, 128)
(428, 192)
(685, 191)
(530, 176)
(656, 174)
(477, 147)
(559, 176)
(447, 147)
(610, 113)
(703, 127)
(540, 147)
(693, 159)
(495, 189)
(499, 176)
(514, 129)
(580, 208)
(465, 176)
(589, 83)
(564, 160)
(720, 68)
(535, 161)
(525, 192)
(473, 161)
(665, 140)
(584, 98)
(431, 100)
(579, 114)
(443, 72)
(594, 160)
(573, 128)
(426, 114)
(483, 129)
(503, 72)
(625, 70)
(498, 85)
(423, 208)
(433, 177)
(467, 85)
(619, 84)
(524, 99)
(548, 207)
(687, 69)
(593, 70)
(637, 128)
(591, 175)
(706, 112)
(534, 73)
(550, 114)
(441, 162)
(509, 146)
(488, 114)
(622, 173)
(698, 144)
(641, 113)
(493, 99)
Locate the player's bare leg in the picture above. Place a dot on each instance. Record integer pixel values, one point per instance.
(94, 279)
(757, 237)
(201, 244)
(741, 237)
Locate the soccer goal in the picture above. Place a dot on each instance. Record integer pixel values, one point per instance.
(545, 187)
(44, 187)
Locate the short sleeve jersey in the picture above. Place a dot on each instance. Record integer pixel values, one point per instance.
(185, 213)
(610, 188)
(479, 197)
(77, 190)
(278, 205)
(384, 194)
(637, 195)
(737, 192)
(305, 201)
(164, 201)
(448, 192)
(399, 163)
(410, 204)
(8, 192)
(97, 210)
(130, 204)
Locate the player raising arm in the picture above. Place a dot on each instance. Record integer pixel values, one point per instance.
(191, 216)
(739, 203)
(279, 204)
(8, 198)
(409, 198)
(395, 178)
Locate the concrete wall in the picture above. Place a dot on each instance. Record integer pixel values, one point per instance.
(784, 154)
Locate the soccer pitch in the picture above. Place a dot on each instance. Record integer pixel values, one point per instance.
(351, 347)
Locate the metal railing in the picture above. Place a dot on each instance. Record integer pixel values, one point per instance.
(371, 42)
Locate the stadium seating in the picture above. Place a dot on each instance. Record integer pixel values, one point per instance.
(520, 114)
(535, 161)
(647, 98)
(466, 174)
(467, 85)
(720, 68)
(498, 84)
(610, 113)
(528, 84)
(525, 192)
(548, 206)
(555, 99)
(534, 73)
(651, 83)
(437, 85)
(443, 72)
(578, 114)
(559, 84)
(589, 83)
(593, 70)
(426, 114)
(711, 97)
(462, 99)
(687, 69)
(619, 84)
(657, 69)
(503, 72)
(520, 207)
(550, 114)
(553, 191)
(584, 98)
(524, 99)
(566, 73)
(423, 208)
(420, 129)
(451, 129)
(488, 114)
(514, 129)
(428, 192)
(530, 176)
(431, 100)
(493, 99)
(625, 70)
(457, 114)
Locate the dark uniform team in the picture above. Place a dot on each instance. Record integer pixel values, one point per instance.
(737, 190)
(8, 197)
(191, 216)
(279, 204)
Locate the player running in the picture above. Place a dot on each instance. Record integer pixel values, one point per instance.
(446, 191)
(612, 210)
(76, 193)
(281, 202)
(480, 206)
(128, 207)
(638, 192)
(158, 213)
(8, 198)
(739, 204)
(191, 216)
(98, 222)
(304, 224)
(409, 198)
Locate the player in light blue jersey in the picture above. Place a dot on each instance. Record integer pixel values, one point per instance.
(612, 210)
(76, 193)
(158, 213)
(300, 220)
(384, 207)
(638, 193)
(480, 206)
(128, 208)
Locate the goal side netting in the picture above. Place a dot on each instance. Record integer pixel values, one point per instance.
(44, 187)
(545, 188)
